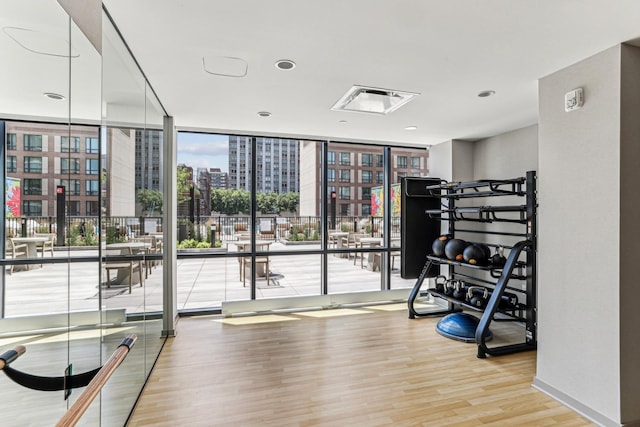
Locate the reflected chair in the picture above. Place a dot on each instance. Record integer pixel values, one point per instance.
(15, 251)
(150, 248)
(130, 265)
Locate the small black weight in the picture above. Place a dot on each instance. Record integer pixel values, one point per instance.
(508, 301)
(478, 296)
(498, 259)
(460, 290)
(440, 283)
(449, 287)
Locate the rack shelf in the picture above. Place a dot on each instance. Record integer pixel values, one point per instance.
(520, 265)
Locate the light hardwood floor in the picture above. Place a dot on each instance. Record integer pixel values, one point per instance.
(359, 367)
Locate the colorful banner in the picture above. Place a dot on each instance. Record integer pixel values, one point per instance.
(12, 202)
(377, 201)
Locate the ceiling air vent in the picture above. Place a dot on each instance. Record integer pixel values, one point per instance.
(372, 100)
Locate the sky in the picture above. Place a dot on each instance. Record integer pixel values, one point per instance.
(203, 150)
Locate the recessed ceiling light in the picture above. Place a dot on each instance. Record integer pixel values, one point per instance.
(55, 96)
(342, 122)
(264, 114)
(411, 128)
(372, 100)
(486, 93)
(285, 64)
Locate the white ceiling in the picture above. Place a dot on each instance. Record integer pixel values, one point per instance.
(448, 51)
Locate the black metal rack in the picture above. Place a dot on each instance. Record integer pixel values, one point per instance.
(520, 265)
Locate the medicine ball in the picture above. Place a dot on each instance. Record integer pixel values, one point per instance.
(437, 248)
(454, 248)
(475, 254)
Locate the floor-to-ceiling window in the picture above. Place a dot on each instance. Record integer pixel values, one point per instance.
(301, 191)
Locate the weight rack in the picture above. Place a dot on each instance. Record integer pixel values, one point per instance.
(520, 264)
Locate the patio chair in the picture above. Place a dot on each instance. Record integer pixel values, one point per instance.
(260, 260)
(129, 265)
(352, 241)
(15, 251)
(46, 246)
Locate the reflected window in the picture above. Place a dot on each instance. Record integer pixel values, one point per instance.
(345, 159)
(367, 177)
(345, 193)
(379, 177)
(331, 158)
(366, 193)
(331, 175)
(12, 164)
(92, 146)
(33, 164)
(92, 208)
(32, 187)
(32, 207)
(72, 186)
(379, 160)
(70, 145)
(367, 160)
(344, 209)
(12, 141)
(401, 161)
(69, 166)
(415, 163)
(91, 187)
(73, 208)
(92, 167)
(345, 175)
(366, 209)
(32, 142)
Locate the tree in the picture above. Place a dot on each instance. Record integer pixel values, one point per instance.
(288, 202)
(151, 200)
(184, 184)
(231, 202)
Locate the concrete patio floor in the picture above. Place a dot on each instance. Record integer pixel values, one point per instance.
(203, 283)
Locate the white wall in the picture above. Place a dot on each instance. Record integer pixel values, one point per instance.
(578, 245)
(309, 178)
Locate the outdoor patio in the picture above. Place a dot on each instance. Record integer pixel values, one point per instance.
(203, 283)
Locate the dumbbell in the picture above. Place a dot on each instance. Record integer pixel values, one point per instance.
(460, 290)
(449, 287)
(478, 296)
(440, 282)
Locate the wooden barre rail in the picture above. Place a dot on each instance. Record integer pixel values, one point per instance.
(79, 407)
(11, 355)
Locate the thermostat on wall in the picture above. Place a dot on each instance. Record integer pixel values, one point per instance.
(573, 100)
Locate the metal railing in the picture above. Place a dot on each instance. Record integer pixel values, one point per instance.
(221, 227)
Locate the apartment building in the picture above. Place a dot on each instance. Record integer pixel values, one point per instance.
(278, 164)
(353, 171)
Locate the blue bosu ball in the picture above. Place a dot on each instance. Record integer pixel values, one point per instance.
(461, 327)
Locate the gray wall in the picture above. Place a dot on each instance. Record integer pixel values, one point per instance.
(579, 245)
(630, 226)
(506, 156)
